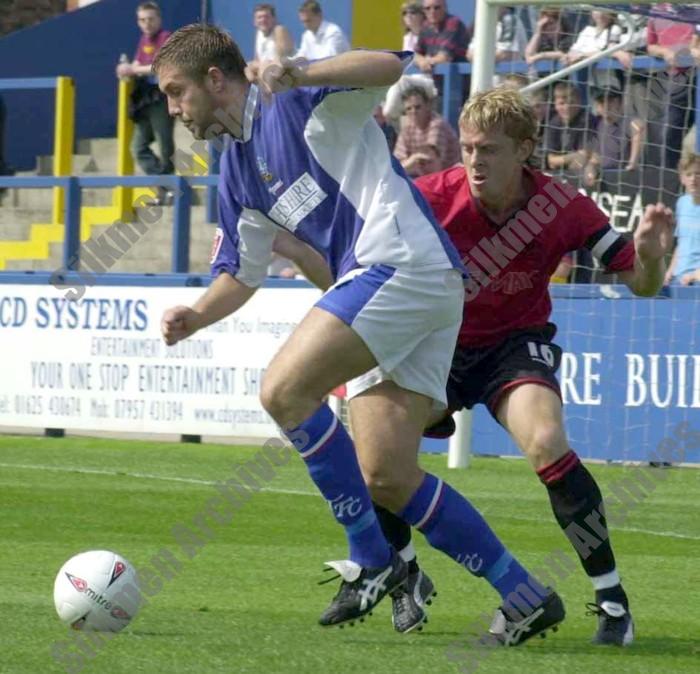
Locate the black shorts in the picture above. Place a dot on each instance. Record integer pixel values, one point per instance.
(483, 375)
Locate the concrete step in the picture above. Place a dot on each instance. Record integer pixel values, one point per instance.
(42, 198)
(104, 152)
(12, 216)
(82, 164)
(150, 253)
(15, 224)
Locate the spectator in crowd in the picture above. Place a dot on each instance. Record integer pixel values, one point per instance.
(552, 37)
(618, 139)
(602, 34)
(321, 38)
(443, 38)
(426, 142)
(392, 107)
(671, 109)
(413, 19)
(540, 104)
(511, 38)
(148, 106)
(272, 40)
(685, 263)
(569, 134)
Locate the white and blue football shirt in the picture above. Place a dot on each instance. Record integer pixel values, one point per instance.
(314, 162)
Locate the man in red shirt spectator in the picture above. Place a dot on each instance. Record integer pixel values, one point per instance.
(672, 95)
(512, 225)
(444, 37)
(148, 106)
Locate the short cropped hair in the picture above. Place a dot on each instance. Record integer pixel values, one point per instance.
(144, 6)
(501, 108)
(265, 7)
(515, 81)
(688, 160)
(195, 48)
(311, 6)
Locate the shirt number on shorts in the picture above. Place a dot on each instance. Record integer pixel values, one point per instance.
(541, 353)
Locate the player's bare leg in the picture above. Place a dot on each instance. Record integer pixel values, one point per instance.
(532, 414)
(322, 353)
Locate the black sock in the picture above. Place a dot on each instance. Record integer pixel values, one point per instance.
(578, 507)
(397, 532)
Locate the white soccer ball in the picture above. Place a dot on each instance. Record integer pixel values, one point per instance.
(97, 591)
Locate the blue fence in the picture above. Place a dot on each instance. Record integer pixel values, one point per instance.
(455, 78)
(179, 185)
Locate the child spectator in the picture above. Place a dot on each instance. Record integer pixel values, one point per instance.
(685, 264)
(568, 136)
(618, 139)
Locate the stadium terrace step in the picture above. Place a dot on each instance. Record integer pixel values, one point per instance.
(14, 222)
(83, 164)
(139, 258)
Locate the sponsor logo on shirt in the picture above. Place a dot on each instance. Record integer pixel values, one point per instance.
(296, 202)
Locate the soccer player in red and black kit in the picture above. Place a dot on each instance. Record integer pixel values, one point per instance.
(512, 225)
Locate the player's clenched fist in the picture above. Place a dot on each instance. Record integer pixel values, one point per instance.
(276, 76)
(178, 323)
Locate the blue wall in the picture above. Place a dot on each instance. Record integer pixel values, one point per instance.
(84, 45)
(631, 375)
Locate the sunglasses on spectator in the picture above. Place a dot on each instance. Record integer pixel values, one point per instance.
(432, 8)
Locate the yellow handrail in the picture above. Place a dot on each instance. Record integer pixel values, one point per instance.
(123, 196)
(64, 135)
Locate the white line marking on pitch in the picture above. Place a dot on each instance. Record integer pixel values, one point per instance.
(275, 490)
(145, 476)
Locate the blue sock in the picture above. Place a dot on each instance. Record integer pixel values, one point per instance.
(330, 456)
(453, 525)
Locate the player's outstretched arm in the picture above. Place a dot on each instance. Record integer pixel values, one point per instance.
(653, 240)
(224, 296)
(356, 68)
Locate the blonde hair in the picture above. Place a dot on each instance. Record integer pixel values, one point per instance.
(504, 109)
(688, 159)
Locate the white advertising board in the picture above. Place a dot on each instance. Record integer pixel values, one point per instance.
(100, 363)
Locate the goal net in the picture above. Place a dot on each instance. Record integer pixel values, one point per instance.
(614, 88)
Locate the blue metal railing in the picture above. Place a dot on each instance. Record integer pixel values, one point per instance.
(454, 75)
(181, 187)
(7, 84)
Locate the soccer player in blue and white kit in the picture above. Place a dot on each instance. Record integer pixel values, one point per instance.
(311, 160)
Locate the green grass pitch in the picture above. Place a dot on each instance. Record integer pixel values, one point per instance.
(248, 601)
